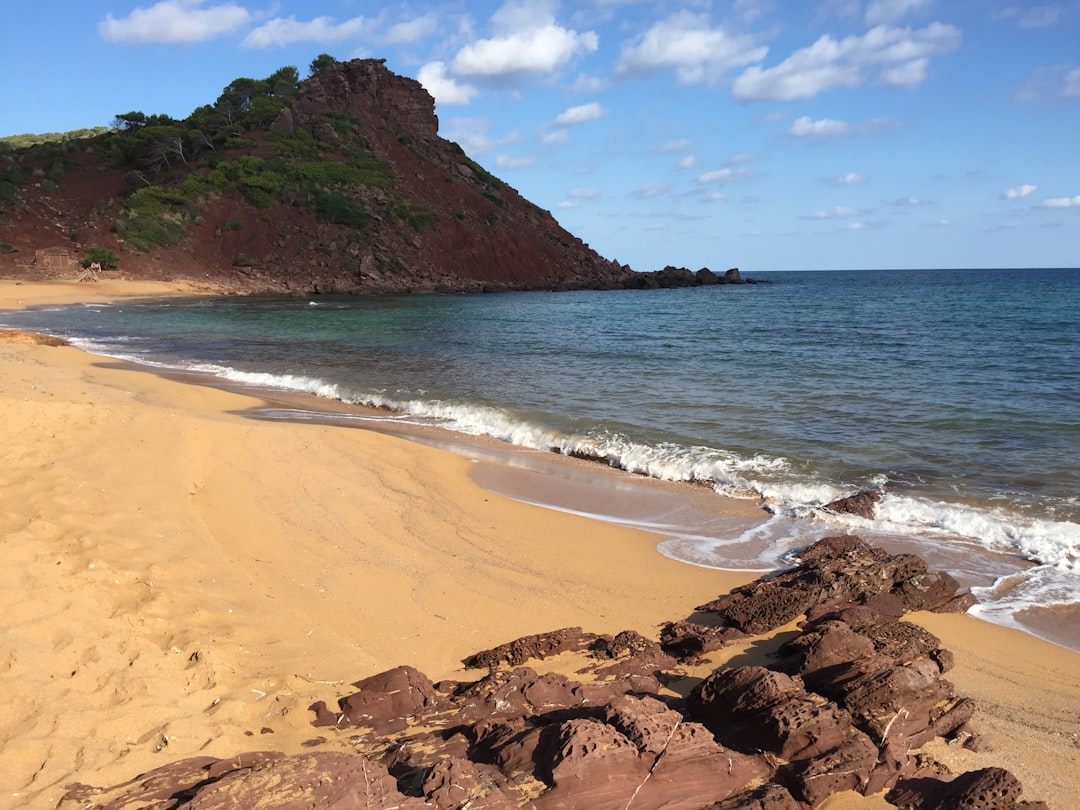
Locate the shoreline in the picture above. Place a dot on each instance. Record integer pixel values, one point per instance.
(226, 570)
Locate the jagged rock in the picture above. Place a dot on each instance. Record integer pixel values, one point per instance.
(986, 789)
(706, 277)
(157, 785)
(384, 702)
(846, 767)
(835, 572)
(767, 797)
(754, 708)
(456, 783)
(538, 647)
(860, 504)
(688, 640)
(322, 779)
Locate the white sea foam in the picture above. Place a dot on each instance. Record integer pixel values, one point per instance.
(794, 500)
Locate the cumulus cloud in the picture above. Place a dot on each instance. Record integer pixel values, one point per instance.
(889, 11)
(412, 30)
(1071, 88)
(909, 74)
(1061, 202)
(679, 145)
(175, 22)
(285, 31)
(589, 84)
(741, 159)
(895, 55)
(527, 40)
(444, 88)
(726, 175)
(687, 43)
(836, 212)
(651, 191)
(806, 127)
(555, 137)
(471, 135)
(1019, 192)
(1035, 17)
(1060, 81)
(508, 162)
(850, 179)
(579, 115)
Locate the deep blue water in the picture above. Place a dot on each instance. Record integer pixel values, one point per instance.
(957, 390)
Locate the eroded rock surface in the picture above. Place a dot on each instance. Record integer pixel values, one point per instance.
(842, 706)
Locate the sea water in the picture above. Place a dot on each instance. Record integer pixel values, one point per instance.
(958, 391)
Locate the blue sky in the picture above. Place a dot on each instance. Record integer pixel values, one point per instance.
(764, 134)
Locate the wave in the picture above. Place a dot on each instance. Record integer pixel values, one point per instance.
(795, 499)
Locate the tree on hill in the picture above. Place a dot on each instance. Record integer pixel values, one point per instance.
(321, 63)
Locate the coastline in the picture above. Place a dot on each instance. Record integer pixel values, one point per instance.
(180, 574)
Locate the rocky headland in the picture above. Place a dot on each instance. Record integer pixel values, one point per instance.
(339, 183)
(843, 701)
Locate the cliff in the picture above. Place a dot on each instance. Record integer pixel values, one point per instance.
(339, 183)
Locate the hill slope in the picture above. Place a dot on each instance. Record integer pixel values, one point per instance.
(339, 183)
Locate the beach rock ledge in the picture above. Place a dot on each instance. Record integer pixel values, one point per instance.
(843, 703)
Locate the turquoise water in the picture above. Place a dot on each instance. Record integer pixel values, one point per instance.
(959, 391)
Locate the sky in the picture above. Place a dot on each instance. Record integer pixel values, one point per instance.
(762, 134)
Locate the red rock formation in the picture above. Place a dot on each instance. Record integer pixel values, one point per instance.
(842, 709)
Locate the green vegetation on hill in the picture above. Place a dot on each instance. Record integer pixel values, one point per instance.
(175, 167)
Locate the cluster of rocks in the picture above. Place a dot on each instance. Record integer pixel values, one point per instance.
(843, 705)
(672, 277)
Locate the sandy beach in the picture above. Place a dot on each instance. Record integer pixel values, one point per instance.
(179, 578)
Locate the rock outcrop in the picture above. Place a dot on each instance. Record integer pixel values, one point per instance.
(842, 706)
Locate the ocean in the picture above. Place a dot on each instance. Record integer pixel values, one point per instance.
(958, 391)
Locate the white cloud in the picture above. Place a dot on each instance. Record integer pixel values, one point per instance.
(580, 114)
(900, 54)
(1072, 84)
(284, 31)
(508, 162)
(741, 159)
(444, 88)
(412, 30)
(910, 74)
(589, 84)
(583, 193)
(688, 162)
(1020, 192)
(527, 40)
(1061, 202)
(836, 212)
(680, 145)
(725, 175)
(688, 44)
(175, 22)
(555, 137)
(850, 179)
(567, 204)
(651, 191)
(1040, 17)
(471, 135)
(806, 127)
(889, 11)
(1060, 81)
